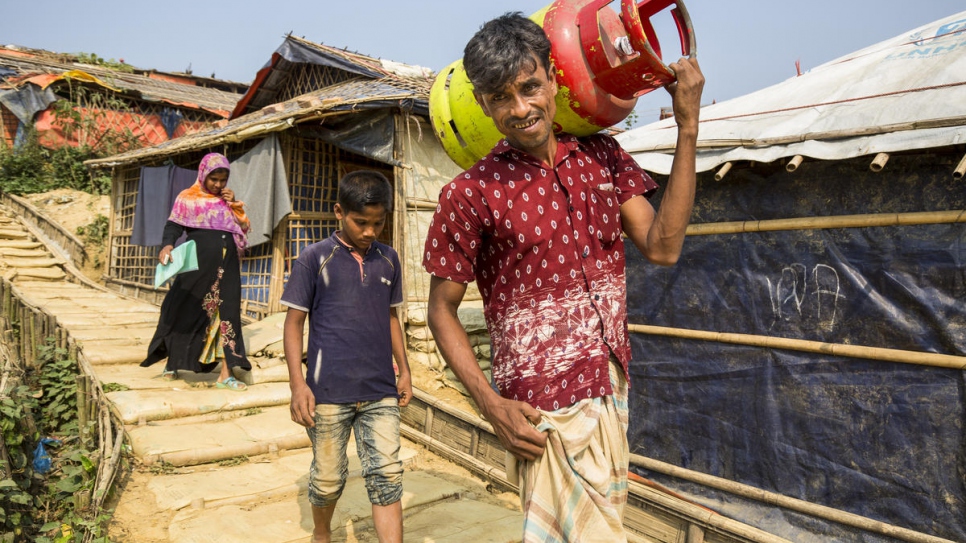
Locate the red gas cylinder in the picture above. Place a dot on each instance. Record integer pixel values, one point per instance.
(603, 61)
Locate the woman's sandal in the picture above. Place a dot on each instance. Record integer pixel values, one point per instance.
(231, 383)
(169, 375)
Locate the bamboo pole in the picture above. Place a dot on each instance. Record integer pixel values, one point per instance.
(6, 299)
(28, 327)
(420, 204)
(960, 170)
(38, 329)
(831, 349)
(82, 411)
(839, 221)
(722, 172)
(794, 504)
(879, 162)
(794, 163)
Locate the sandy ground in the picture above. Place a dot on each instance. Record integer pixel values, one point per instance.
(73, 209)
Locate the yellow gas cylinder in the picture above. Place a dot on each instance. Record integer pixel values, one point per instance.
(603, 61)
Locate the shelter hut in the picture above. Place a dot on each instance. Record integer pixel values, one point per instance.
(331, 111)
(145, 107)
(801, 368)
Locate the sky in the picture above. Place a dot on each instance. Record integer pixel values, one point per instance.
(742, 45)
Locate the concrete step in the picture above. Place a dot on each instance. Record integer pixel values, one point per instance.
(135, 377)
(142, 332)
(13, 232)
(87, 321)
(43, 261)
(116, 354)
(267, 431)
(291, 519)
(194, 397)
(460, 521)
(20, 244)
(41, 274)
(6, 252)
(266, 477)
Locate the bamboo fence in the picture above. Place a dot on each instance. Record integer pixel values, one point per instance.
(26, 327)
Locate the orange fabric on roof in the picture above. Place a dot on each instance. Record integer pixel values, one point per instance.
(148, 128)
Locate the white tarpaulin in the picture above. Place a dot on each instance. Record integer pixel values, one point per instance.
(908, 92)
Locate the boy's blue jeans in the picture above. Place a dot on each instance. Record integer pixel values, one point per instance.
(376, 426)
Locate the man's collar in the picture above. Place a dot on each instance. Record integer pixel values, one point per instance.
(566, 144)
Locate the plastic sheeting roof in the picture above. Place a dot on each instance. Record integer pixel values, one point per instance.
(153, 89)
(905, 93)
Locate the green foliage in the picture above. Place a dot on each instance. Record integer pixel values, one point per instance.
(233, 461)
(162, 468)
(45, 507)
(96, 232)
(32, 168)
(26, 170)
(93, 59)
(57, 381)
(114, 387)
(631, 120)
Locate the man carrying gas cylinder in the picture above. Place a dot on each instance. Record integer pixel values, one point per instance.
(537, 224)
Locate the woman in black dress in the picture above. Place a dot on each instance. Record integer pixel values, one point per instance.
(201, 315)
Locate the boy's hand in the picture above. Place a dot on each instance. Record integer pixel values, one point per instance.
(303, 406)
(404, 386)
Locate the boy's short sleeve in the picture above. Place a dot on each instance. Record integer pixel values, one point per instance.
(396, 295)
(300, 290)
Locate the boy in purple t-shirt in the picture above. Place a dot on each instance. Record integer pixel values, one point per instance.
(350, 285)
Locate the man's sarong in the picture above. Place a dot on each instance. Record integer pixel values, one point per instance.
(577, 490)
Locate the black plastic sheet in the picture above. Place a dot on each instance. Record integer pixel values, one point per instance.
(884, 440)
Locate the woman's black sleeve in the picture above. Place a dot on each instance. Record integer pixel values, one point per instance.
(172, 231)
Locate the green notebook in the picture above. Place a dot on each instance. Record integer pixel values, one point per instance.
(184, 258)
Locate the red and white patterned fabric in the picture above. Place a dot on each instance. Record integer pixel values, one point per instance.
(544, 246)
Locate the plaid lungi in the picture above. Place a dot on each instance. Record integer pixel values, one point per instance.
(577, 490)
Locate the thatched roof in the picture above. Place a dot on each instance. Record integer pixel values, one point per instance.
(44, 68)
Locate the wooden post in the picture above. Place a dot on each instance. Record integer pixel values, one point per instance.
(81, 382)
(72, 349)
(695, 534)
(6, 299)
(38, 330)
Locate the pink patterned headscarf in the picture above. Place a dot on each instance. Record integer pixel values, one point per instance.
(195, 207)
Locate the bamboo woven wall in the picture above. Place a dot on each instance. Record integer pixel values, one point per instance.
(310, 77)
(8, 126)
(314, 169)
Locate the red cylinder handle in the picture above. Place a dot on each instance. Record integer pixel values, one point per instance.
(641, 33)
